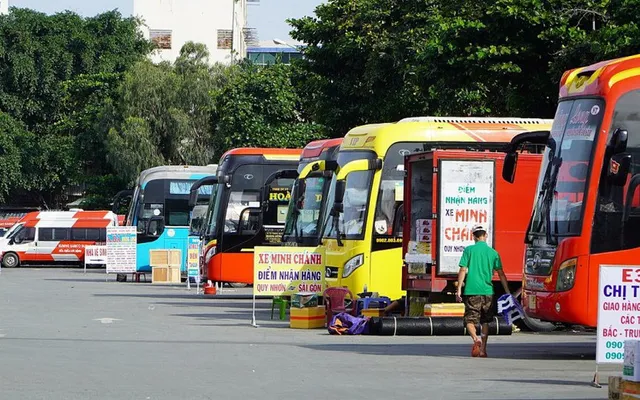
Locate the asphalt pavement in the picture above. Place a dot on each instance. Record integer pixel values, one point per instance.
(67, 335)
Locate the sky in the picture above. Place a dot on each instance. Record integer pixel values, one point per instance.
(268, 17)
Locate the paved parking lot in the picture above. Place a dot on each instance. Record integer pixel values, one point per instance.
(67, 335)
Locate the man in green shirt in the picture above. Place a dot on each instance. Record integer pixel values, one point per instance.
(478, 263)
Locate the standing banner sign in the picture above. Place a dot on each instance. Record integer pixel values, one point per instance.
(121, 249)
(94, 255)
(466, 199)
(618, 312)
(284, 271)
(193, 258)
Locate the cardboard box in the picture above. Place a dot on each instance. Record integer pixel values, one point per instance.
(373, 312)
(159, 274)
(307, 318)
(630, 390)
(631, 363)
(165, 258)
(444, 310)
(614, 387)
(174, 275)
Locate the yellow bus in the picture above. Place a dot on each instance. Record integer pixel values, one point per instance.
(363, 231)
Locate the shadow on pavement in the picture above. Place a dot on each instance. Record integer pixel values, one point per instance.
(547, 382)
(512, 351)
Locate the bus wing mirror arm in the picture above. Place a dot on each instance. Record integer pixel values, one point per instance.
(511, 150)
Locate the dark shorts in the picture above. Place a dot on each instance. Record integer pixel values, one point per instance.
(478, 309)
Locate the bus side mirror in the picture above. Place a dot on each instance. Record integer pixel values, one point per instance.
(619, 167)
(619, 141)
(155, 226)
(509, 167)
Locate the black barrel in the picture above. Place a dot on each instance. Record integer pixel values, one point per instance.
(430, 326)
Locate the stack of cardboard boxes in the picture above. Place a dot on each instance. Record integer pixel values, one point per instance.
(165, 265)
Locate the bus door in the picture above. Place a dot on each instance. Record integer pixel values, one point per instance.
(49, 238)
(276, 194)
(245, 224)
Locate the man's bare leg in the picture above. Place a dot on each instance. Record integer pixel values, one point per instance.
(471, 328)
(485, 337)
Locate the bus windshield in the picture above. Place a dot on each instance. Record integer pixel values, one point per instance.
(351, 222)
(565, 168)
(305, 213)
(168, 199)
(244, 192)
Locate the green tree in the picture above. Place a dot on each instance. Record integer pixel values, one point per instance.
(57, 74)
(164, 111)
(259, 106)
(381, 60)
(12, 135)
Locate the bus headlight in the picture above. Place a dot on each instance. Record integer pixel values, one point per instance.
(352, 265)
(210, 253)
(566, 275)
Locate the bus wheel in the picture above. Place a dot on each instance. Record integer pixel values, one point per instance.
(238, 285)
(10, 260)
(533, 324)
(536, 325)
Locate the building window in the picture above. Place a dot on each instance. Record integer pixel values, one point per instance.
(161, 38)
(225, 39)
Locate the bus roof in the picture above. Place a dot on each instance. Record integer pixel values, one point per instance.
(379, 137)
(69, 215)
(267, 152)
(599, 78)
(314, 149)
(187, 172)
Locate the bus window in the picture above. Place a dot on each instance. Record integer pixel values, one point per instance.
(93, 234)
(53, 234)
(238, 201)
(24, 235)
(612, 200)
(391, 187)
(78, 234)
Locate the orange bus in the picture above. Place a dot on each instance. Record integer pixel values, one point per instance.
(586, 205)
(235, 221)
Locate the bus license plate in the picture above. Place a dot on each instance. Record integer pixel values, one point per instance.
(532, 302)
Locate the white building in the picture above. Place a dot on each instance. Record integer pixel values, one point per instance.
(220, 24)
(4, 6)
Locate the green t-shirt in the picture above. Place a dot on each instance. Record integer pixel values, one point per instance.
(480, 261)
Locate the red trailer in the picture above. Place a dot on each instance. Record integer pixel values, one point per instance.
(448, 192)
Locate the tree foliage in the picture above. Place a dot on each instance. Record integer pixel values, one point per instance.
(55, 74)
(259, 106)
(381, 60)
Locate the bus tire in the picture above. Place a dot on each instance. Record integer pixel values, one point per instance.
(536, 325)
(10, 260)
(238, 285)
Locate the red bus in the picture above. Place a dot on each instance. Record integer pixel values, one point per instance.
(587, 199)
(308, 205)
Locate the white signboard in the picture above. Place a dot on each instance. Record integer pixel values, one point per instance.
(466, 199)
(618, 311)
(121, 249)
(95, 255)
(4, 6)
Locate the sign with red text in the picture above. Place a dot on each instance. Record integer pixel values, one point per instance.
(283, 271)
(466, 199)
(618, 311)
